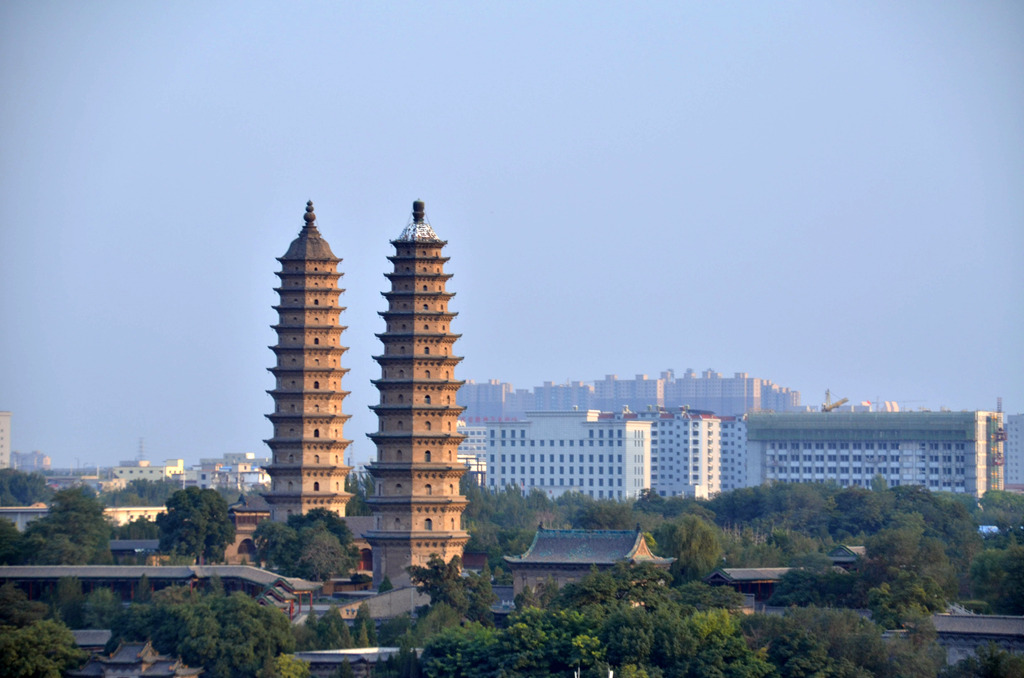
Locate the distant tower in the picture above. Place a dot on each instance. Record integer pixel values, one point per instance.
(417, 507)
(308, 467)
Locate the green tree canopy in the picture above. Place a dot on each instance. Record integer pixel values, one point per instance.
(74, 532)
(18, 488)
(196, 524)
(43, 649)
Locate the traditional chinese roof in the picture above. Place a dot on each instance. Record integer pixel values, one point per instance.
(596, 547)
(843, 553)
(309, 244)
(250, 504)
(979, 624)
(748, 574)
(135, 659)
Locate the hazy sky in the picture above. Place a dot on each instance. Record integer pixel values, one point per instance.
(827, 195)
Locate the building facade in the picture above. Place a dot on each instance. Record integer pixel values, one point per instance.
(583, 451)
(734, 453)
(943, 451)
(686, 452)
(1014, 451)
(308, 446)
(417, 506)
(5, 439)
(709, 391)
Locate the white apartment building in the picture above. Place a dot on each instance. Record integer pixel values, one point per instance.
(685, 451)
(733, 464)
(5, 439)
(1014, 450)
(943, 451)
(583, 451)
(143, 470)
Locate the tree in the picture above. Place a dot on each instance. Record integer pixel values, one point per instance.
(196, 524)
(229, 636)
(43, 649)
(16, 609)
(10, 543)
(442, 582)
(100, 609)
(141, 527)
(74, 532)
(18, 488)
(321, 554)
(287, 666)
(694, 544)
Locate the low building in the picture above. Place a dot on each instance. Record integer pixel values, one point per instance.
(21, 516)
(958, 452)
(289, 594)
(569, 555)
(327, 663)
(759, 582)
(962, 635)
(141, 469)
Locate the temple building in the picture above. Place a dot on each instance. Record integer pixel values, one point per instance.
(307, 468)
(417, 507)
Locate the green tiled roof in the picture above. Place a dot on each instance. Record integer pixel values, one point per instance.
(598, 547)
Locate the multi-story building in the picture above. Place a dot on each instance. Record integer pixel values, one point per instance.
(308, 445)
(142, 469)
(685, 451)
(417, 508)
(943, 451)
(1014, 450)
(612, 394)
(597, 454)
(30, 461)
(729, 396)
(5, 439)
(734, 453)
(709, 391)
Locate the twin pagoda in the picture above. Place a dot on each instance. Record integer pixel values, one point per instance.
(417, 507)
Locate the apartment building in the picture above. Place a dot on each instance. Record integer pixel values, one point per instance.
(597, 454)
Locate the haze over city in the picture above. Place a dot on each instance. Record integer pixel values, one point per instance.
(824, 195)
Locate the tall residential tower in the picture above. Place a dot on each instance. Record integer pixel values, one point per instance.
(417, 506)
(308, 468)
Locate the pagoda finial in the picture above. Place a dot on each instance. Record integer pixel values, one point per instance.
(418, 211)
(309, 217)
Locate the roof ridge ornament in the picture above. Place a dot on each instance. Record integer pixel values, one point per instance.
(309, 217)
(418, 227)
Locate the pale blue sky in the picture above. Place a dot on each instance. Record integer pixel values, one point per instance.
(827, 195)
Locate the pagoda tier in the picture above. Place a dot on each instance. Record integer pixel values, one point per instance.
(307, 468)
(417, 505)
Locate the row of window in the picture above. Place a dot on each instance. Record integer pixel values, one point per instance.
(561, 443)
(612, 470)
(561, 458)
(862, 446)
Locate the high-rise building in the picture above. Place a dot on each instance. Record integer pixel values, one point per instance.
(734, 453)
(943, 451)
(686, 451)
(1014, 450)
(307, 468)
(5, 439)
(417, 506)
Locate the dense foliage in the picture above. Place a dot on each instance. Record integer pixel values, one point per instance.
(196, 524)
(22, 489)
(316, 545)
(229, 636)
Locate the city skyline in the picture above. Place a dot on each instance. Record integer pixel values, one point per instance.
(823, 196)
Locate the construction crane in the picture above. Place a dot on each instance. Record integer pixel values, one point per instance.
(828, 405)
